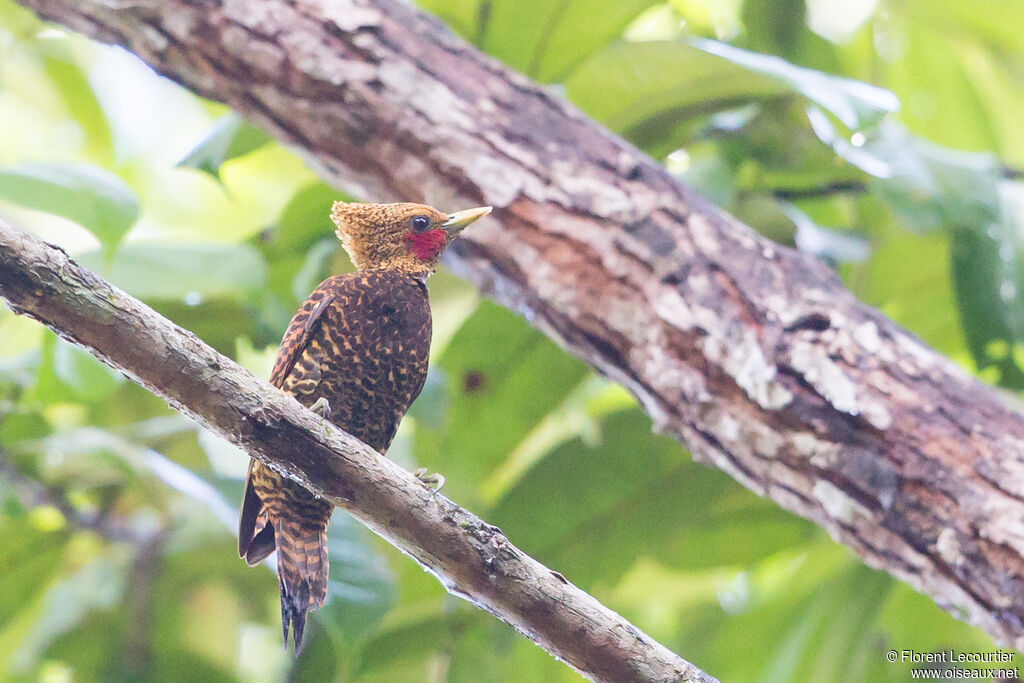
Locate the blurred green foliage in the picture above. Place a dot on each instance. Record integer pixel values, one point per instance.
(116, 515)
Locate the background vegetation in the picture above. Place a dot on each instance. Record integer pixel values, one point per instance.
(117, 558)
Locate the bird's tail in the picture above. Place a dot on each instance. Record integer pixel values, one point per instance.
(301, 571)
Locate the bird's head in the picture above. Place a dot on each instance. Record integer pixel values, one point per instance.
(406, 237)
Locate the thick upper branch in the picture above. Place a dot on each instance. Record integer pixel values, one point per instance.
(752, 354)
(470, 557)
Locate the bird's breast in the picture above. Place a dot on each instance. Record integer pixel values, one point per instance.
(377, 339)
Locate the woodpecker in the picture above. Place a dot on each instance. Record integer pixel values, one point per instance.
(356, 353)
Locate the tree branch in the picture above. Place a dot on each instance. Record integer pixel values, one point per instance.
(471, 558)
(752, 354)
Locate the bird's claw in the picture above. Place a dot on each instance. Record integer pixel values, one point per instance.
(435, 480)
(321, 407)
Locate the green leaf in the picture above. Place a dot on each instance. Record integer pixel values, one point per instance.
(32, 557)
(773, 26)
(546, 40)
(231, 137)
(72, 81)
(97, 585)
(989, 283)
(203, 599)
(586, 481)
(87, 647)
(823, 242)
(503, 377)
(90, 379)
(301, 251)
(305, 219)
(771, 147)
(658, 83)
(89, 458)
(929, 185)
(17, 20)
(997, 25)
(68, 374)
(314, 267)
(94, 198)
(489, 651)
(421, 637)
(462, 16)
(15, 427)
(19, 351)
(963, 194)
(840, 643)
(827, 633)
(858, 105)
(931, 629)
(652, 91)
(908, 278)
(219, 321)
(640, 494)
(514, 31)
(189, 272)
(957, 71)
(492, 651)
(578, 29)
(431, 406)
(319, 660)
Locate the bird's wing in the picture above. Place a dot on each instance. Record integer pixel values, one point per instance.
(300, 331)
(248, 547)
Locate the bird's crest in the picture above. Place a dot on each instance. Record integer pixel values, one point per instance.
(407, 237)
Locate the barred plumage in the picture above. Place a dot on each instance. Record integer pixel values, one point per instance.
(360, 342)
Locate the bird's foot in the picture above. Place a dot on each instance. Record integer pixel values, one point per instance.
(321, 407)
(429, 480)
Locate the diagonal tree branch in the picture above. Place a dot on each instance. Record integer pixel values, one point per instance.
(752, 354)
(471, 558)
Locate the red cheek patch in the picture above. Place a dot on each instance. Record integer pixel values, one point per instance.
(426, 245)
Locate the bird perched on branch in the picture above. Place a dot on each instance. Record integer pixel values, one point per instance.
(356, 353)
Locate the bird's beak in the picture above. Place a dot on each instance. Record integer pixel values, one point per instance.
(460, 219)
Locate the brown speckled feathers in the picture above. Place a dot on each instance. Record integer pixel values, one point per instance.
(356, 352)
(361, 342)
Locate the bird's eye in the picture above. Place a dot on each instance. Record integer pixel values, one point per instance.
(420, 223)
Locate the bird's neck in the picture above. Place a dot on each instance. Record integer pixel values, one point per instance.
(417, 272)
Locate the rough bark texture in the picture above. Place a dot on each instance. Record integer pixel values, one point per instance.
(469, 557)
(751, 354)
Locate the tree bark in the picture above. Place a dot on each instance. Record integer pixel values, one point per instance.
(471, 558)
(751, 354)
